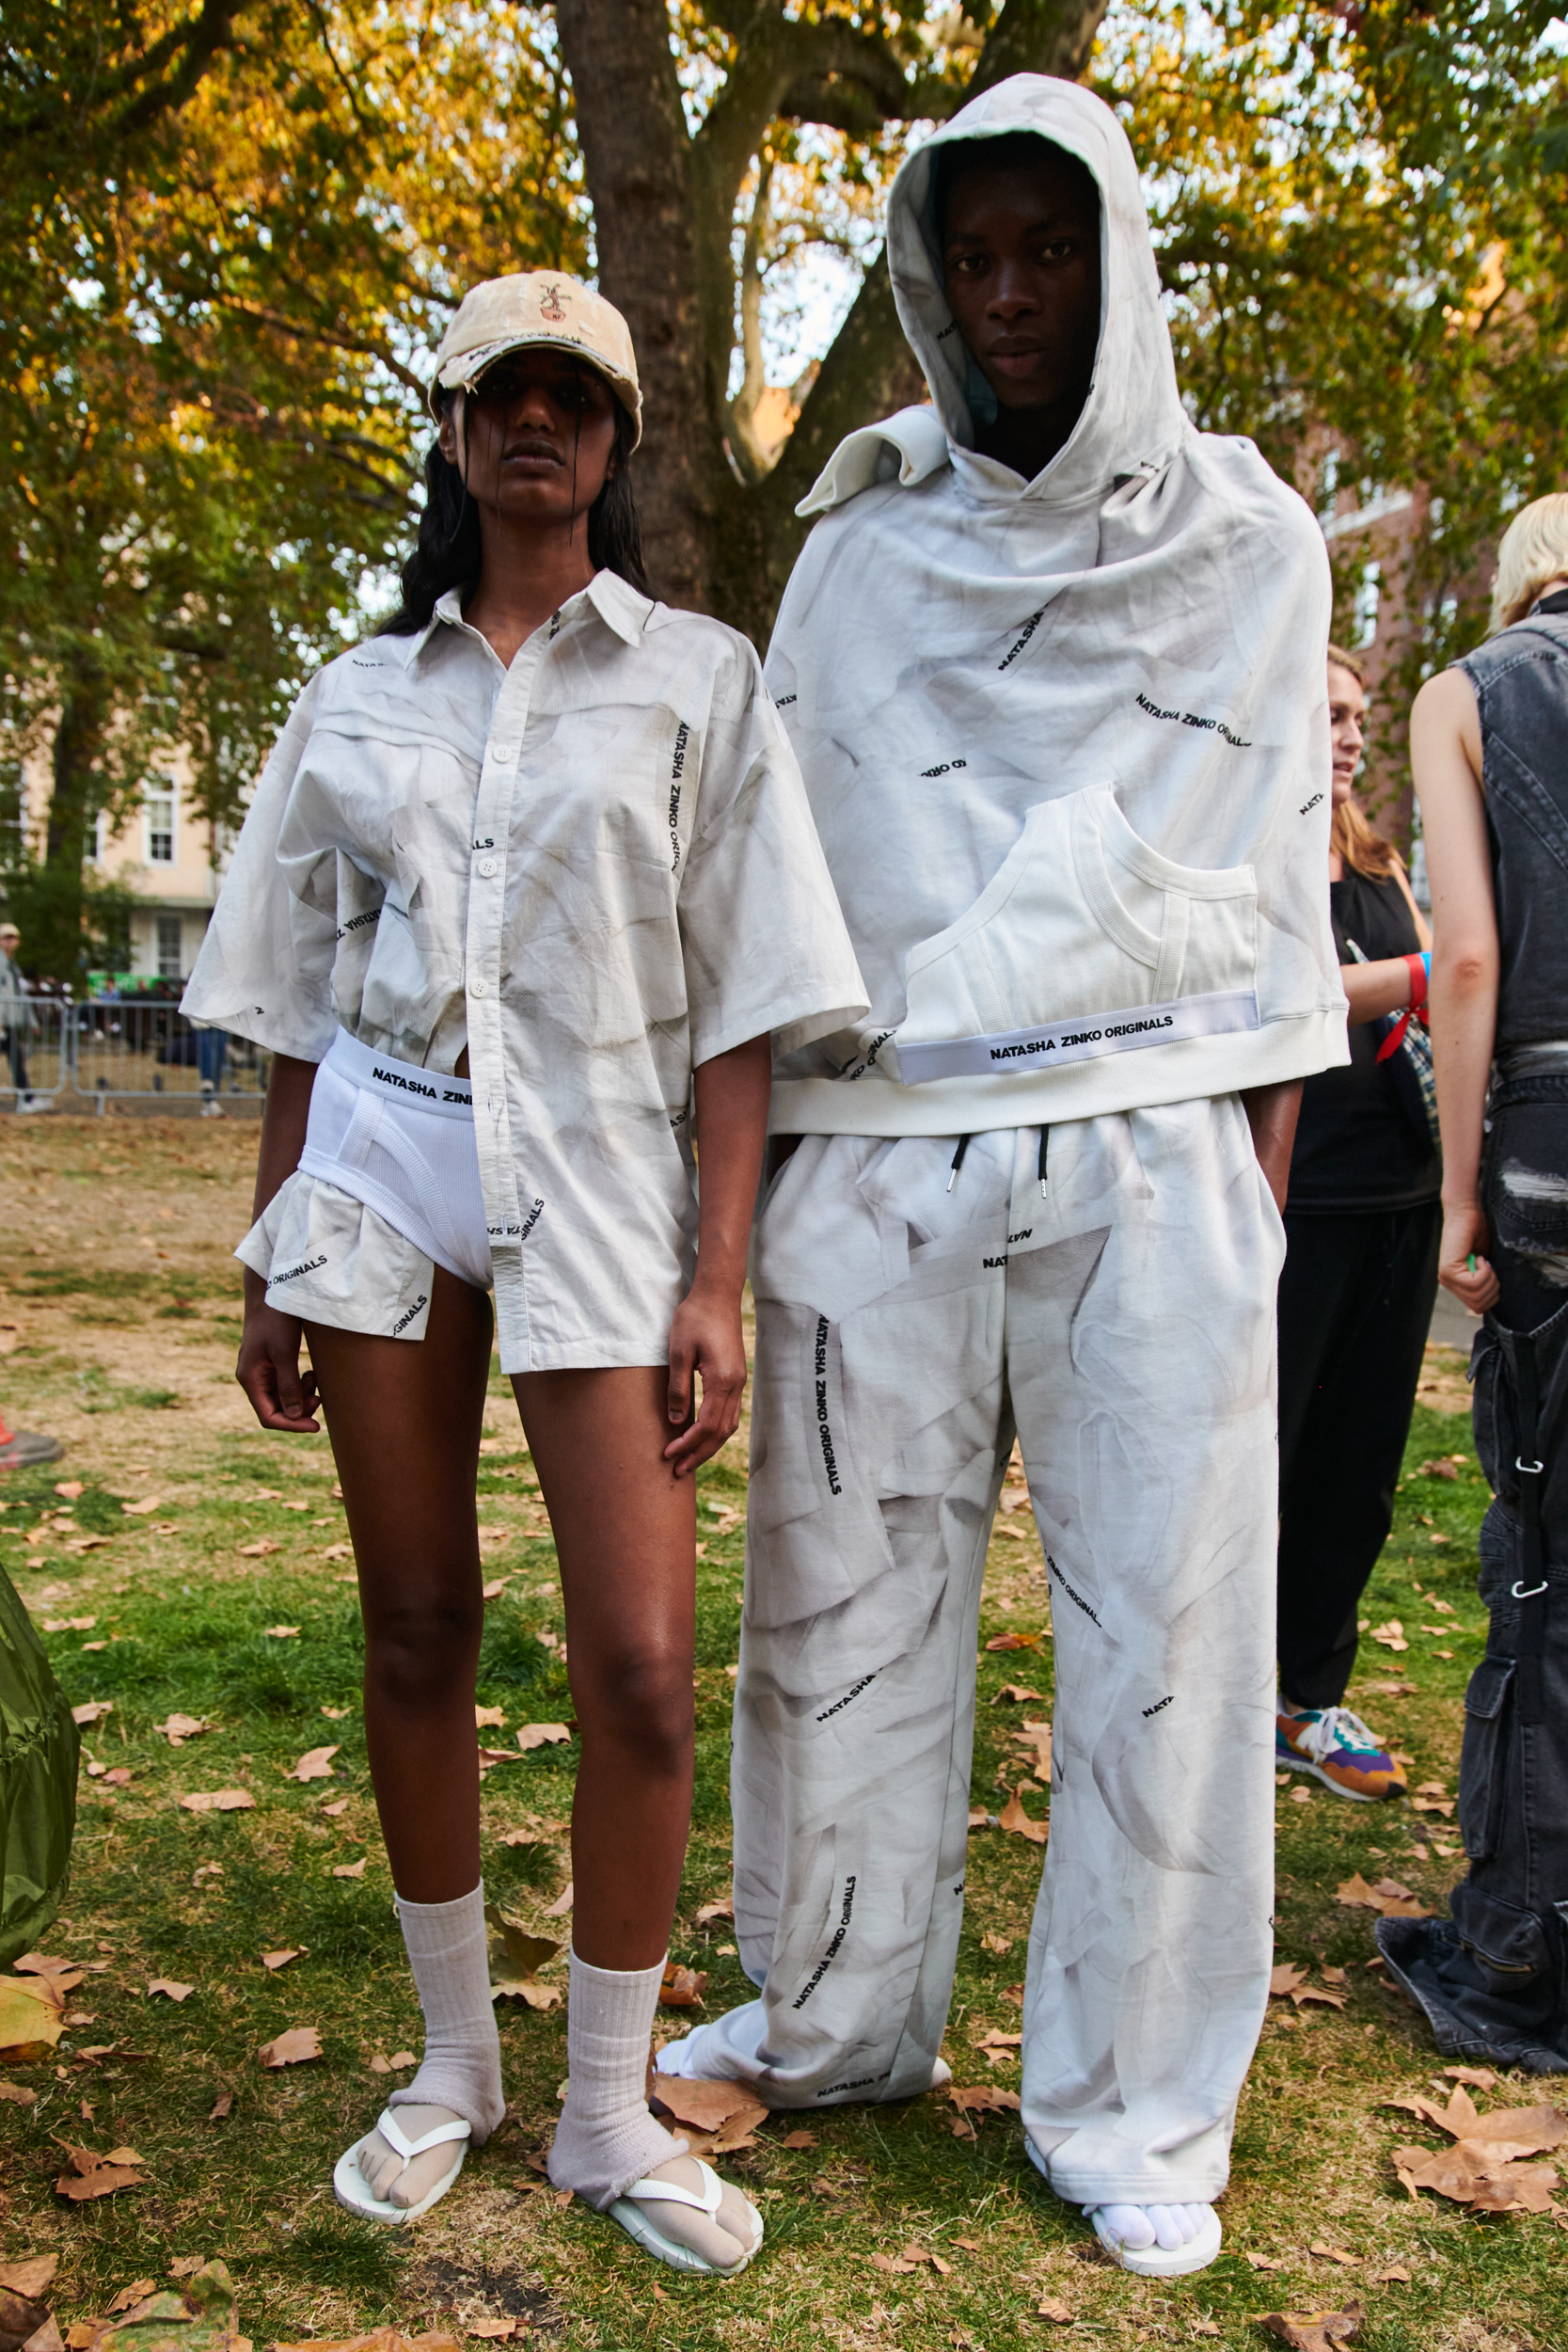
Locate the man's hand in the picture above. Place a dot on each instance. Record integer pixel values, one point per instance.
(281, 1396)
(1464, 1236)
(705, 1340)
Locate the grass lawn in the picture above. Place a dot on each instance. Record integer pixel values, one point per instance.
(122, 1300)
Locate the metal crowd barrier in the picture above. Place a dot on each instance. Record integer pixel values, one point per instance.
(136, 1049)
(35, 1048)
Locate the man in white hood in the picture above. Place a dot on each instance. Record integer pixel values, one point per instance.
(1053, 665)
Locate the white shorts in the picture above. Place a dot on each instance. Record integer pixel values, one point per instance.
(387, 1188)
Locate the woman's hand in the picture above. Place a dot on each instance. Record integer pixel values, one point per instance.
(281, 1396)
(706, 1338)
(1464, 1236)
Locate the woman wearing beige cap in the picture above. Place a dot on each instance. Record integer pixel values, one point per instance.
(527, 885)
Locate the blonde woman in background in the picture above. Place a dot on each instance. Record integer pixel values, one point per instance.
(1355, 1297)
(1489, 747)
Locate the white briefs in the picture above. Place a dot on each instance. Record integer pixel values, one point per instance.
(387, 1186)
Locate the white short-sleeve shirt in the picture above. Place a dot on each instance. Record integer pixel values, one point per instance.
(597, 869)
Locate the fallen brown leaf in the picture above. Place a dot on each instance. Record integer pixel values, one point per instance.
(1014, 1694)
(1014, 1818)
(280, 1633)
(18, 2096)
(335, 1811)
(259, 1550)
(91, 1711)
(293, 2048)
(1335, 2254)
(541, 1735)
(139, 1510)
(136, 2293)
(31, 2018)
(281, 1958)
(1285, 1978)
(707, 2105)
(490, 1716)
(983, 2098)
(527, 1989)
(1392, 2274)
(490, 2330)
(798, 2139)
(1056, 2311)
(1479, 2078)
(218, 1801)
(315, 1764)
(723, 1909)
(183, 2264)
(1262, 2262)
(92, 2175)
(173, 1990)
(998, 1943)
(1014, 1640)
(221, 2107)
(1314, 2331)
(521, 1953)
(682, 1988)
(561, 1904)
(1388, 1898)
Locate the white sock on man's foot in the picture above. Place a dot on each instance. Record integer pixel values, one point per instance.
(462, 2064)
(606, 2137)
(1141, 2227)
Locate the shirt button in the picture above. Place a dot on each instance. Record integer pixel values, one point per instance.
(503, 753)
(488, 867)
(477, 987)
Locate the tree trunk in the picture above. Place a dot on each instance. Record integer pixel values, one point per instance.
(74, 803)
(638, 158)
(714, 542)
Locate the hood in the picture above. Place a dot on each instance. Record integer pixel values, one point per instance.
(1132, 419)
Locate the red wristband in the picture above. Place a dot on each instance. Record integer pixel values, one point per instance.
(1417, 981)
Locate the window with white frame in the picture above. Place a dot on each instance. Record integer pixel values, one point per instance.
(159, 818)
(170, 967)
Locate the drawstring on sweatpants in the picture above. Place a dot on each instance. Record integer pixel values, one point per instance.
(1045, 1139)
(964, 1142)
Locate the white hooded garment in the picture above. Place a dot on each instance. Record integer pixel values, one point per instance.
(1065, 742)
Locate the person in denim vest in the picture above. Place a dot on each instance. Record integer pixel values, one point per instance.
(1489, 745)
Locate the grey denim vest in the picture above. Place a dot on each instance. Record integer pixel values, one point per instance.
(1521, 685)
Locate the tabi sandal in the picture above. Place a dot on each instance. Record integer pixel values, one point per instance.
(1160, 2262)
(627, 2211)
(351, 2188)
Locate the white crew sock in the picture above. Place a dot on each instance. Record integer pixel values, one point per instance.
(606, 2137)
(462, 2064)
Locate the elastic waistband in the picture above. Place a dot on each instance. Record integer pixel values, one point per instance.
(400, 1081)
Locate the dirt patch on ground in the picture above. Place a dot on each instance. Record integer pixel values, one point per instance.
(1444, 1387)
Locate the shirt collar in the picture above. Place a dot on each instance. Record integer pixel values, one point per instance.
(619, 606)
(616, 602)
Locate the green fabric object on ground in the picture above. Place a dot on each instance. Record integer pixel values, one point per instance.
(39, 1749)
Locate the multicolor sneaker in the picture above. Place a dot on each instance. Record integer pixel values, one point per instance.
(1336, 1748)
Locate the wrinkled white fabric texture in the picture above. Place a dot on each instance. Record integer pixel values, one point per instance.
(387, 1188)
(1065, 741)
(594, 868)
(1066, 746)
(1123, 1327)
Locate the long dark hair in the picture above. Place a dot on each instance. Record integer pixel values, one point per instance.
(449, 553)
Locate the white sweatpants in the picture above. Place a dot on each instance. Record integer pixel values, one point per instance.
(1123, 1326)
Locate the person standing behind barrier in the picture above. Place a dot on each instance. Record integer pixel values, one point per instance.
(18, 1021)
(1489, 746)
(1355, 1297)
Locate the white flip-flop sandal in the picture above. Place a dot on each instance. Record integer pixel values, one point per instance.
(627, 2211)
(351, 2188)
(1160, 2262)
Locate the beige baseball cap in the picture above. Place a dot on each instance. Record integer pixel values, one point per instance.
(538, 307)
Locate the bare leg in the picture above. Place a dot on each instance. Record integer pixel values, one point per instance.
(405, 1419)
(625, 1531)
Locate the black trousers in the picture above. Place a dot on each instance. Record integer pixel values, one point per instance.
(1355, 1302)
(1493, 1979)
